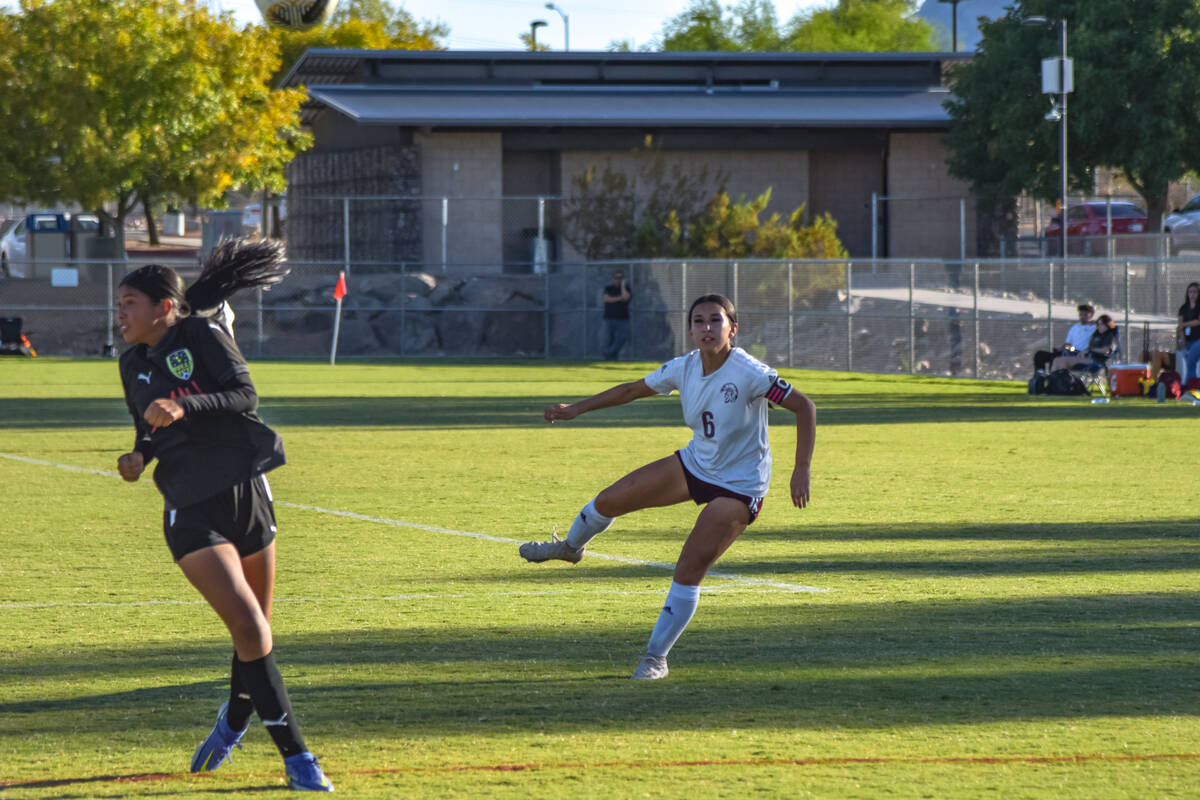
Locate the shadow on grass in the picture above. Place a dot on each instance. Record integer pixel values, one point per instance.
(807, 666)
(526, 412)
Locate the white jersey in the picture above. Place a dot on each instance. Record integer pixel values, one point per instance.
(727, 412)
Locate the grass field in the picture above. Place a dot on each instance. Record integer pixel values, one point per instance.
(1008, 600)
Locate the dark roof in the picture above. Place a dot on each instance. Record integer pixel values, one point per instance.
(511, 88)
(470, 107)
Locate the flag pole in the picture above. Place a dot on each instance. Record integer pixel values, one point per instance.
(339, 292)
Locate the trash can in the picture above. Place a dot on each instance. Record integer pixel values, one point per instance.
(46, 236)
(219, 225)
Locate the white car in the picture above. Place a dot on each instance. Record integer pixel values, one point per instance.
(12, 249)
(1184, 225)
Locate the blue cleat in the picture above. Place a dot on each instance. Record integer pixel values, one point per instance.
(217, 748)
(305, 775)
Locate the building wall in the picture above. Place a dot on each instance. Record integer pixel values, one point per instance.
(467, 168)
(841, 183)
(745, 172)
(926, 226)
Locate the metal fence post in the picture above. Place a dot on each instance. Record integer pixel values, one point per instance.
(1127, 267)
(1050, 303)
(849, 321)
(791, 326)
(874, 226)
(976, 314)
(962, 229)
(346, 235)
(445, 225)
(109, 345)
(681, 346)
(912, 320)
(735, 284)
(258, 344)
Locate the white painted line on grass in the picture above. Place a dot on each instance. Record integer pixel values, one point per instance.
(585, 591)
(396, 523)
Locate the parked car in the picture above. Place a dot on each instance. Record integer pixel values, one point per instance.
(1184, 225)
(1089, 220)
(14, 233)
(12, 248)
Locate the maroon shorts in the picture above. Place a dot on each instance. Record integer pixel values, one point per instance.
(703, 492)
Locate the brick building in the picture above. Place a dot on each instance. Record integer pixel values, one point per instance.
(825, 130)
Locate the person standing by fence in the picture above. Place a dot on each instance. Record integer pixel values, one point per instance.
(616, 299)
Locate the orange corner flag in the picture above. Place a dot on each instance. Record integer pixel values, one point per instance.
(339, 291)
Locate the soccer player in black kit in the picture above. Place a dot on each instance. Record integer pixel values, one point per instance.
(189, 391)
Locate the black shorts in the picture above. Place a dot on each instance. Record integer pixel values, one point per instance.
(241, 515)
(703, 492)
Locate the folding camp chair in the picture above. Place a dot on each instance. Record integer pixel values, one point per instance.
(1094, 374)
(12, 341)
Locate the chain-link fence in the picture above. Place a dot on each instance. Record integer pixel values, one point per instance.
(955, 318)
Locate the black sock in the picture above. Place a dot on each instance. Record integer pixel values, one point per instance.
(261, 677)
(240, 707)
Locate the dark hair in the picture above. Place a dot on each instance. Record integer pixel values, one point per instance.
(721, 300)
(1085, 307)
(1107, 320)
(233, 264)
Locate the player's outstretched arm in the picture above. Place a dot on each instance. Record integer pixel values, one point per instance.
(806, 435)
(617, 395)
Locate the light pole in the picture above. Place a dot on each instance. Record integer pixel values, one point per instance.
(954, 22)
(533, 28)
(1058, 77)
(566, 26)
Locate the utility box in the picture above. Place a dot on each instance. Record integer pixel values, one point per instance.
(46, 236)
(219, 225)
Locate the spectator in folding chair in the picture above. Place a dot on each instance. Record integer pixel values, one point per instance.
(12, 341)
(1076, 340)
(1092, 363)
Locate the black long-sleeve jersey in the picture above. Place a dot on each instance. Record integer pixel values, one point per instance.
(220, 442)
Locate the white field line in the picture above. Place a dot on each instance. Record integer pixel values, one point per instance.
(588, 592)
(451, 532)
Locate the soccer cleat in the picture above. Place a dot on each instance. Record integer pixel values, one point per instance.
(537, 552)
(650, 668)
(218, 747)
(305, 775)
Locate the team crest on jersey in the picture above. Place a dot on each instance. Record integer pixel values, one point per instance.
(181, 364)
(730, 393)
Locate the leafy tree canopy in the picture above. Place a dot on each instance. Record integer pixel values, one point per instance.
(112, 103)
(752, 26)
(1132, 108)
(362, 25)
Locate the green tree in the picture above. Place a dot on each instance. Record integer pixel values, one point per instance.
(147, 101)
(752, 26)
(361, 25)
(1133, 108)
(872, 26)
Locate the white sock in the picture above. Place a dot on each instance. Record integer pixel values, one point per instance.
(676, 614)
(587, 525)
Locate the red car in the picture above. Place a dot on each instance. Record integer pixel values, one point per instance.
(1089, 220)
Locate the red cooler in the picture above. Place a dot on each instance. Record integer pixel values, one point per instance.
(1123, 378)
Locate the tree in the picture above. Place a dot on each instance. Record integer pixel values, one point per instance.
(874, 26)
(140, 101)
(1131, 110)
(361, 25)
(752, 26)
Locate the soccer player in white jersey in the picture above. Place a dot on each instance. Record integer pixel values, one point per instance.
(724, 392)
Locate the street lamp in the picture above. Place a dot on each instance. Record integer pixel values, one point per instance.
(954, 23)
(566, 26)
(1058, 77)
(533, 28)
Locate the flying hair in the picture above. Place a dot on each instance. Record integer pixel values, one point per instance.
(233, 265)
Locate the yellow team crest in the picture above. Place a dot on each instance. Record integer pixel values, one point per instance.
(181, 364)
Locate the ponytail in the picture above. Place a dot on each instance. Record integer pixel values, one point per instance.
(233, 265)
